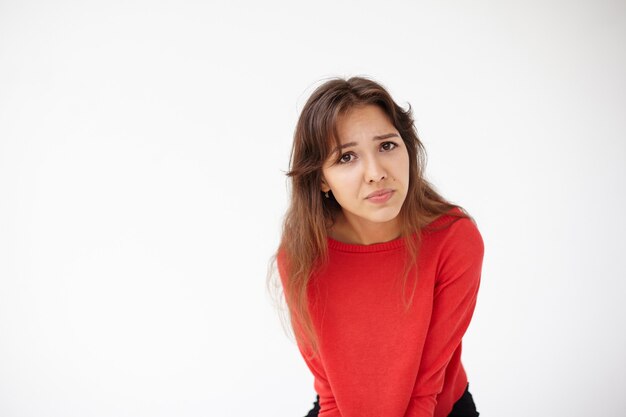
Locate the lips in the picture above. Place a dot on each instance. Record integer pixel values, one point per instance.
(380, 192)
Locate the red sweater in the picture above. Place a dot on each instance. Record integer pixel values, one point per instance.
(376, 360)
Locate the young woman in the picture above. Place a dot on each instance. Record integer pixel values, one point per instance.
(380, 272)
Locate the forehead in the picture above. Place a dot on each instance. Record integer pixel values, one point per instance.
(360, 121)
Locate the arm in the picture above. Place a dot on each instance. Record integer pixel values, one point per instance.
(454, 299)
(328, 406)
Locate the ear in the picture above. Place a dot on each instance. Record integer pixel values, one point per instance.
(324, 187)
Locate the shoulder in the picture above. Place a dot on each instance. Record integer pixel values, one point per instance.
(456, 234)
(455, 248)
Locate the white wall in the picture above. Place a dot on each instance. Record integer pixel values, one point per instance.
(142, 152)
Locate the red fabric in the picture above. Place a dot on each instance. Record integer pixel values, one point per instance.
(377, 359)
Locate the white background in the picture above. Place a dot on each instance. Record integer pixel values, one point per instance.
(143, 147)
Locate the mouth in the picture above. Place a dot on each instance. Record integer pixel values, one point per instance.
(380, 193)
(380, 196)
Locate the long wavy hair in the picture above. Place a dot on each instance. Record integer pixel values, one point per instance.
(303, 245)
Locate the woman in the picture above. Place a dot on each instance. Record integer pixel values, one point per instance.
(380, 273)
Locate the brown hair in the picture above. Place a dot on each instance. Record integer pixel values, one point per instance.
(304, 235)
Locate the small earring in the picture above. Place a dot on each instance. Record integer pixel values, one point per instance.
(326, 194)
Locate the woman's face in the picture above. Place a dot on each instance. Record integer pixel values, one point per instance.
(372, 159)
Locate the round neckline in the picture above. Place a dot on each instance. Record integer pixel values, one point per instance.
(374, 247)
(381, 246)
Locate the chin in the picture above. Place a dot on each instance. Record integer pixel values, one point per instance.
(384, 216)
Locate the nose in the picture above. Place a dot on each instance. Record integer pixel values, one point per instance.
(374, 171)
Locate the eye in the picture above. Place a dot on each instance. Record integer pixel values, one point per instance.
(346, 158)
(387, 146)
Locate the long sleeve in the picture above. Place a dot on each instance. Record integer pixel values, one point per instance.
(328, 405)
(327, 401)
(454, 299)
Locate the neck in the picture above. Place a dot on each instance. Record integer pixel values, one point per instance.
(362, 232)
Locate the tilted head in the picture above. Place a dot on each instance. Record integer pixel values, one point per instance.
(317, 137)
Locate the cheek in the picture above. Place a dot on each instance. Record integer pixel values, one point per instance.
(406, 163)
(345, 188)
(350, 182)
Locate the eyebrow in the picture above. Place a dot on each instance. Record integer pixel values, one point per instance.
(377, 137)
